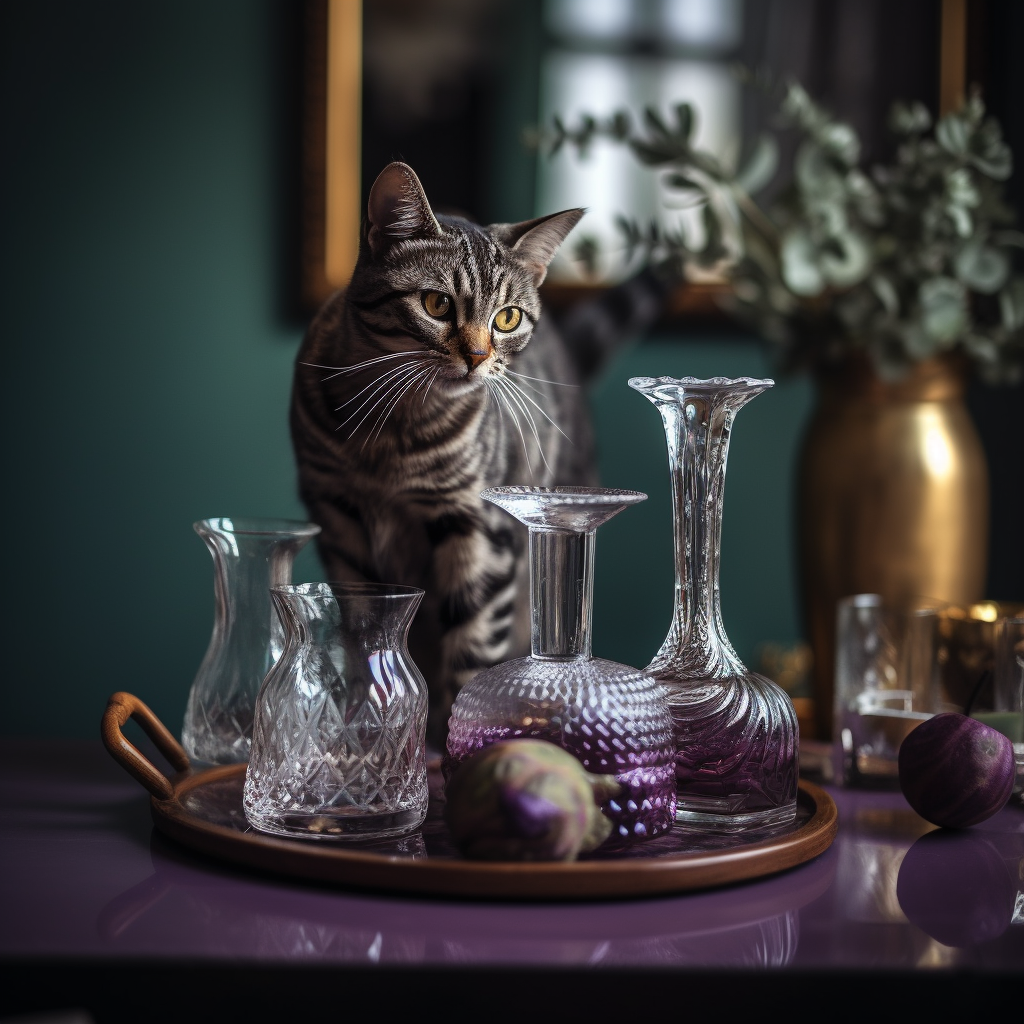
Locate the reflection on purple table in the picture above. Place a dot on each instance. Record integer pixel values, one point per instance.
(84, 875)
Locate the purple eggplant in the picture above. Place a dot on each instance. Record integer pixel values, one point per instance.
(956, 771)
(527, 799)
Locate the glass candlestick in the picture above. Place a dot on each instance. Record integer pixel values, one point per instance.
(611, 717)
(736, 731)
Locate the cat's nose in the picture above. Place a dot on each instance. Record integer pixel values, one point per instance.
(475, 346)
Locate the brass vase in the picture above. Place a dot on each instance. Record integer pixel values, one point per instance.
(893, 499)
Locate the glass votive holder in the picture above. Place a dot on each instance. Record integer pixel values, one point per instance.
(886, 678)
(967, 655)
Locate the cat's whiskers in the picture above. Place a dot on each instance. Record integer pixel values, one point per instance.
(388, 373)
(541, 380)
(426, 390)
(386, 384)
(516, 387)
(368, 362)
(499, 398)
(514, 393)
(403, 390)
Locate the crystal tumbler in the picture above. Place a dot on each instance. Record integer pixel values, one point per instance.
(885, 686)
(611, 717)
(339, 742)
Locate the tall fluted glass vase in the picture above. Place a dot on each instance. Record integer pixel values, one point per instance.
(736, 731)
(249, 557)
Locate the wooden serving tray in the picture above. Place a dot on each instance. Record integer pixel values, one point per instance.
(203, 810)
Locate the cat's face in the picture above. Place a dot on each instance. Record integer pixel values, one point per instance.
(465, 294)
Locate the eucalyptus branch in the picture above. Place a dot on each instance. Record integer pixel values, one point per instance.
(903, 261)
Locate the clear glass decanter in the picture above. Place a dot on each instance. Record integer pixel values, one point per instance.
(339, 744)
(613, 718)
(736, 731)
(249, 557)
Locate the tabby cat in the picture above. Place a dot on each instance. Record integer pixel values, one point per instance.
(432, 377)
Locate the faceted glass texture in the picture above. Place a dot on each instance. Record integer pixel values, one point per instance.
(339, 743)
(611, 717)
(736, 731)
(249, 556)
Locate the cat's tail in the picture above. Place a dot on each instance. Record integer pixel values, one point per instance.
(596, 329)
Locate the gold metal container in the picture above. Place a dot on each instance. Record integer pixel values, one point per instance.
(893, 500)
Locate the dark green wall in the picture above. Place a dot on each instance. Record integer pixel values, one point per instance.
(147, 363)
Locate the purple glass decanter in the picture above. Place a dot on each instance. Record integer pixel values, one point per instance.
(611, 717)
(736, 731)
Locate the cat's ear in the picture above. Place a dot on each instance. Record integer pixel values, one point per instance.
(535, 242)
(398, 208)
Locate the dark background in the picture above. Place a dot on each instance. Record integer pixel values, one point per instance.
(149, 205)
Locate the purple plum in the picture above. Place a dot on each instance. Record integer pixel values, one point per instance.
(527, 799)
(956, 771)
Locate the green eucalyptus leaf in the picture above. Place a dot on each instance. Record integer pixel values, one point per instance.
(997, 163)
(1011, 305)
(963, 223)
(652, 154)
(760, 167)
(842, 142)
(953, 133)
(989, 153)
(815, 174)
(800, 268)
(909, 118)
(960, 188)
(685, 121)
(680, 180)
(943, 309)
(846, 261)
(980, 267)
(586, 252)
(620, 125)
(655, 124)
(885, 292)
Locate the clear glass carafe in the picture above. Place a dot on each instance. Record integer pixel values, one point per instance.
(339, 743)
(249, 556)
(611, 717)
(736, 731)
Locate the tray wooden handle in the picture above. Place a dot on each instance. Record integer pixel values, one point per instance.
(120, 708)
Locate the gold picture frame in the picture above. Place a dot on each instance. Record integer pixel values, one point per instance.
(332, 146)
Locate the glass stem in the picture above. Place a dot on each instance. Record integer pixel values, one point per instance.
(561, 593)
(698, 434)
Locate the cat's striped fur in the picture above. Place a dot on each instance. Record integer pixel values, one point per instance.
(400, 418)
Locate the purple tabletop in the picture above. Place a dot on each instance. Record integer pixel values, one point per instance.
(84, 875)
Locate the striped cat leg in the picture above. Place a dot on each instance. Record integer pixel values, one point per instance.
(475, 578)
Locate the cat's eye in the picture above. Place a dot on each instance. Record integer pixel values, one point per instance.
(437, 304)
(508, 319)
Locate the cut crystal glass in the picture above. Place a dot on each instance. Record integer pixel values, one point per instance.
(611, 717)
(250, 556)
(736, 731)
(339, 743)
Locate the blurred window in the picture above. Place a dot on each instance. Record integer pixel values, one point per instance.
(607, 55)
